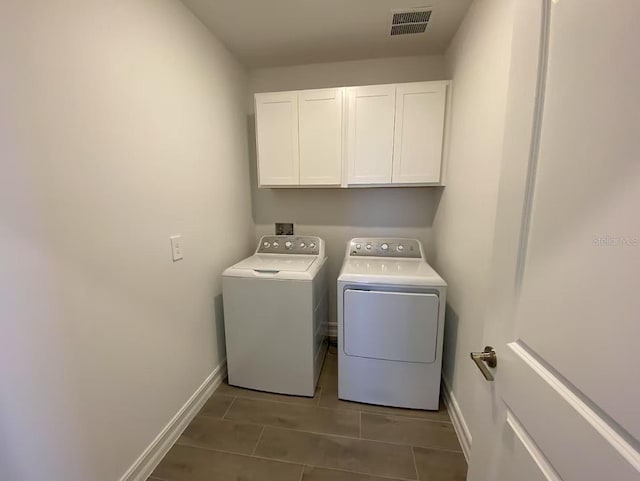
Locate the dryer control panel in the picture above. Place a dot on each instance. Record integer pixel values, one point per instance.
(389, 247)
(290, 244)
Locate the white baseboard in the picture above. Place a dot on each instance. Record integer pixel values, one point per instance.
(151, 457)
(333, 330)
(459, 423)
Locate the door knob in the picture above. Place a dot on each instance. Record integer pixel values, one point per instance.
(484, 359)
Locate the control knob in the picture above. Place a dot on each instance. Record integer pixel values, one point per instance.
(288, 245)
(400, 248)
(276, 244)
(368, 246)
(384, 247)
(266, 245)
(312, 245)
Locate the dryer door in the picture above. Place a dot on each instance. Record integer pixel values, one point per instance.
(395, 326)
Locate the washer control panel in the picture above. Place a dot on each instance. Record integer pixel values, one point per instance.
(289, 244)
(380, 247)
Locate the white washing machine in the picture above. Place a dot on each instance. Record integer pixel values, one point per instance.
(391, 307)
(276, 315)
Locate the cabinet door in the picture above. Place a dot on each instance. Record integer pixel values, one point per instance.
(370, 123)
(320, 131)
(277, 138)
(417, 152)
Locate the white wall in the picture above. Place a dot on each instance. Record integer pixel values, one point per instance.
(338, 215)
(342, 74)
(478, 59)
(122, 122)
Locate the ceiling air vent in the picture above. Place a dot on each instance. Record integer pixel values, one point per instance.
(413, 20)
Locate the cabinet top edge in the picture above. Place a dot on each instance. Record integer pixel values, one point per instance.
(420, 82)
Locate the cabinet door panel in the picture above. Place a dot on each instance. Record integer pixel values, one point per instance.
(277, 138)
(417, 153)
(320, 133)
(370, 124)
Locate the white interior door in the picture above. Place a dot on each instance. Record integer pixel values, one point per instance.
(277, 138)
(564, 314)
(419, 129)
(320, 135)
(370, 126)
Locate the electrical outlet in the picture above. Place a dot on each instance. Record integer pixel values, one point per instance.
(176, 247)
(284, 228)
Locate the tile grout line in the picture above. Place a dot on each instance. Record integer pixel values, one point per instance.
(227, 411)
(290, 403)
(393, 443)
(396, 415)
(296, 463)
(383, 413)
(415, 463)
(255, 448)
(309, 406)
(235, 453)
(375, 475)
(320, 433)
(317, 403)
(376, 413)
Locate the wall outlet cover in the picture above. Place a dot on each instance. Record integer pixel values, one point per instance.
(284, 228)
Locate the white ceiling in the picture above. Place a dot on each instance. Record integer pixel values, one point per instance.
(267, 33)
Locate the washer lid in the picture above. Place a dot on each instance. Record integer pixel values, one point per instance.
(277, 263)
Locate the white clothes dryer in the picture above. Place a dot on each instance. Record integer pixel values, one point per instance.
(391, 306)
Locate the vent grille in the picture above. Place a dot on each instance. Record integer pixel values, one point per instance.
(411, 17)
(411, 28)
(405, 22)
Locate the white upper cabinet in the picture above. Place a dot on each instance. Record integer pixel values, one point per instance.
(419, 129)
(320, 136)
(277, 138)
(378, 135)
(370, 131)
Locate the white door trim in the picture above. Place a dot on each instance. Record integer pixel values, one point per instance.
(536, 132)
(611, 437)
(536, 455)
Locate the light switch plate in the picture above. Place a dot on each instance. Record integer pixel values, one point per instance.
(176, 247)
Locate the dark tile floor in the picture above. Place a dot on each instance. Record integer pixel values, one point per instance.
(246, 435)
